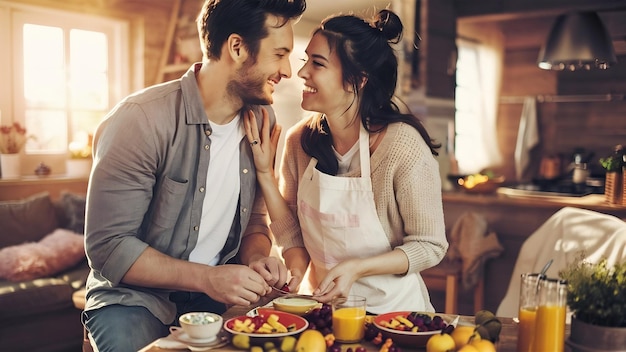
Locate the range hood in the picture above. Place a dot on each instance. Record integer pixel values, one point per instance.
(578, 40)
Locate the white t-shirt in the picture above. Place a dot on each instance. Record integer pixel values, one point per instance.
(222, 192)
(348, 162)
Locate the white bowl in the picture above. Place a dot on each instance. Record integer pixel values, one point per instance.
(201, 325)
(295, 305)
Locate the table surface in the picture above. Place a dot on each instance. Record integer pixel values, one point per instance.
(506, 343)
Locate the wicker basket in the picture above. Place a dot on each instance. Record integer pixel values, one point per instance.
(623, 200)
(613, 187)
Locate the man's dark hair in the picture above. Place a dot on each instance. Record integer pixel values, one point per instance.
(221, 18)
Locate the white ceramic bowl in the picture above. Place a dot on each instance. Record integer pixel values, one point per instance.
(295, 305)
(201, 325)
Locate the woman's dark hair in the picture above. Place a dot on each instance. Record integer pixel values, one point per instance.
(220, 18)
(365, 52)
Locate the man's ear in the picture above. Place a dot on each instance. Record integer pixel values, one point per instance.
(236, 48)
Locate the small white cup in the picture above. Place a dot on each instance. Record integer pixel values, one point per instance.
(201, 325)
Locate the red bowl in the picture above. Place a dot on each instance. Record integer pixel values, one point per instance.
(405, 338)
(284, 318)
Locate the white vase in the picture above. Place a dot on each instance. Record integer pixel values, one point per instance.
(10, 165)
(78, 167)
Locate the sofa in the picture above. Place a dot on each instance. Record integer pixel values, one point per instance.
(42, 263)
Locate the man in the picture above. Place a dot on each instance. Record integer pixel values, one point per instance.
(172, 208)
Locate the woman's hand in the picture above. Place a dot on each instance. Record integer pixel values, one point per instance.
(338, 281)
(263, 144)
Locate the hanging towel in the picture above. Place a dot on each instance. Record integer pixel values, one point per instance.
(527, 137)
(473, 243)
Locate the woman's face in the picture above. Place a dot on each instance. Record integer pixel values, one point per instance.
(324, 89)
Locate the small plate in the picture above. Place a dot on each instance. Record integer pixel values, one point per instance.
(179, 334)
(283, 317)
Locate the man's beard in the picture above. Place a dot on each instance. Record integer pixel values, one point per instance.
(249, 86)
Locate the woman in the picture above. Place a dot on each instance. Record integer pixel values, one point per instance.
(361, 194)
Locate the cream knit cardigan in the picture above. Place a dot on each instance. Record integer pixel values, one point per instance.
(407, 193)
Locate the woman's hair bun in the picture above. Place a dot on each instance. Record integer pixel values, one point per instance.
(389, 24)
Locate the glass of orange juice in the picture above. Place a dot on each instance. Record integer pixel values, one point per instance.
(550, 320)
(528, 301)
(349, 318)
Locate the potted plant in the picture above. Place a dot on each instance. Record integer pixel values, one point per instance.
(613, 184)
(597, 299)
(12, 139)
(79, 162)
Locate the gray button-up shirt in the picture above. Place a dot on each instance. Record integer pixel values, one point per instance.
(147, 186)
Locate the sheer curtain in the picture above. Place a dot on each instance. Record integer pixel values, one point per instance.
(479, 73)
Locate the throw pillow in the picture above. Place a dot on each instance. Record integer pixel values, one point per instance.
(26, 220)
(58, 251)
(74, 209)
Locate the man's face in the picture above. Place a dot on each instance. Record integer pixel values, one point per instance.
(254, 81)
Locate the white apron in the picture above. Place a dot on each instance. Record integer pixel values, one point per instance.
(339, 221)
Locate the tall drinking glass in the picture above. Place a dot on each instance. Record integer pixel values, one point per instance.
(528, 302)
(550, 320)
(349, 319)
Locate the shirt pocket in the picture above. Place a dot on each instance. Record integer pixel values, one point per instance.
(168, 202)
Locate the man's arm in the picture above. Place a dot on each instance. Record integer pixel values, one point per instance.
(231, 284)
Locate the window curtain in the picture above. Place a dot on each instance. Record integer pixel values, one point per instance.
(481, 151)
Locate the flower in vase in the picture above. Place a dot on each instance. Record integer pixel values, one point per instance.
(12, 138)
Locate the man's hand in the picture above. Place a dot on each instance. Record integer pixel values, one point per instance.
(273, 271)
(235, 284)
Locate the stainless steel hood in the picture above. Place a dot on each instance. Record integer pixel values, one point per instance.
(578, 40)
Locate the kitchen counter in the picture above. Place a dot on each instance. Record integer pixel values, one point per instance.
(513, 217)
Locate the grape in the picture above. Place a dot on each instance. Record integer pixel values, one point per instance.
(349, 349)
(326, 309)
(437, 320)
(370, 332)
(448, 329)
(361, 349)
(285, 288)
(320, 323)
(335, 348)
(325, 331)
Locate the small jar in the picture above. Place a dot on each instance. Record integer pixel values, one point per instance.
(580, 173)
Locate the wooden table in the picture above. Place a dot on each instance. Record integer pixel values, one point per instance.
(507, 342)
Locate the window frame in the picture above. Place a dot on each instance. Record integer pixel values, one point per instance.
(12, 101)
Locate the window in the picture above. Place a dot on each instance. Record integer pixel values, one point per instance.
(67, 71)
(477, 82)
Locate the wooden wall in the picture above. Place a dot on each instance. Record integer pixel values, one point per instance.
(595, 126)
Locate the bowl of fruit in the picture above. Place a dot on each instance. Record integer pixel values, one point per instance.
(411, 329)
(481, 183)
(268, 323)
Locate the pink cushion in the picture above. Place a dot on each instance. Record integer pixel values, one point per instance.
(58, 251)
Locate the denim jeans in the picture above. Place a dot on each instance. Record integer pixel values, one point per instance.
(119, 328)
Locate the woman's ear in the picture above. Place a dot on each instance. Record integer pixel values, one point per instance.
(236, 48)
(363, 82)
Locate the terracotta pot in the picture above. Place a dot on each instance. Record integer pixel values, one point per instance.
(594, 338)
